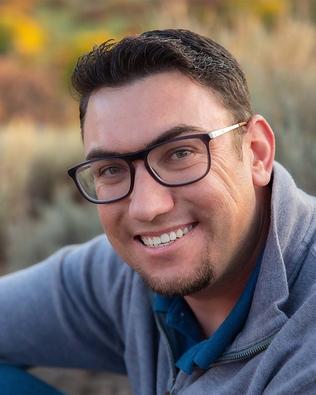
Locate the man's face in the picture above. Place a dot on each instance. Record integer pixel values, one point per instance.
(218, 212)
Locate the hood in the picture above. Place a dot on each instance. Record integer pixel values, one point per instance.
(290, 232)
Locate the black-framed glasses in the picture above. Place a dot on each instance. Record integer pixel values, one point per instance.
(172, 163)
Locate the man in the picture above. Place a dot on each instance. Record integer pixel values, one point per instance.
(205, 280)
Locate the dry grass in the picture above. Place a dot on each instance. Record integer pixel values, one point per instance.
(25, 148)
(36, 193)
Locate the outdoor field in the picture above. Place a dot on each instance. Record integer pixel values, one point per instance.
(40, 41)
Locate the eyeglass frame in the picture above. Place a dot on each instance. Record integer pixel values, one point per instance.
(143, 155)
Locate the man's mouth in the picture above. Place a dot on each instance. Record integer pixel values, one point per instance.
(165, 238)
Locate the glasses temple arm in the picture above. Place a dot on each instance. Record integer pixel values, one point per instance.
(220, 132)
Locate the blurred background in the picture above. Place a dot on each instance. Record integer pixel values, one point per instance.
(40, 41)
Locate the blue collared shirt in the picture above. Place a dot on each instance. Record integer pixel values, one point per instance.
(185, 335)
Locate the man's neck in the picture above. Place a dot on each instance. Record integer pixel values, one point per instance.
(212, 305)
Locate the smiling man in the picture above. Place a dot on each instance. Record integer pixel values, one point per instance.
(205, 280)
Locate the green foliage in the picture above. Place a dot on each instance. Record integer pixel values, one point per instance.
(60, 223)
(40, 208)
(287, 103)
(5, 40)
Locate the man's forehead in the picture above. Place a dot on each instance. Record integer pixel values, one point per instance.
(129, 117)
(162, 94)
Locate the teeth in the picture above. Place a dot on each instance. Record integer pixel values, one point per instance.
(166, 238)
(179, 233)
(157, 241)
(172, 236)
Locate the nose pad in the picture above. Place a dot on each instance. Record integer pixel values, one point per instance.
(148, 199)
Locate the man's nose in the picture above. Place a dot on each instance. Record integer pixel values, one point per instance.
(148, 199)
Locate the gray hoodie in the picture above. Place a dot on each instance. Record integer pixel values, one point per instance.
(83, 307)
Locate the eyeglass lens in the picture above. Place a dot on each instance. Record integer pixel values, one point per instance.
(173, 163)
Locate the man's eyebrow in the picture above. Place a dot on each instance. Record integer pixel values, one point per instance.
(165, 136)
(173, 133)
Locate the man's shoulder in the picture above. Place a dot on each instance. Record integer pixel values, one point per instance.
(98, 244)
(95, 258)
(92, 252)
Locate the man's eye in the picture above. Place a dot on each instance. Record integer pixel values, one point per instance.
(180, 154)
(111, 171)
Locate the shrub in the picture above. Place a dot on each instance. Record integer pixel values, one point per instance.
(59, 223)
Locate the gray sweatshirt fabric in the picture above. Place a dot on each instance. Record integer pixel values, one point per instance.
(83, 307)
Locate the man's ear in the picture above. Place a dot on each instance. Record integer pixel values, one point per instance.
(262, 146)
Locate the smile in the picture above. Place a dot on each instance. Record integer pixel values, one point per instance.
(166, 238)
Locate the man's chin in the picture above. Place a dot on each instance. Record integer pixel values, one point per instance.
(179, 286)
